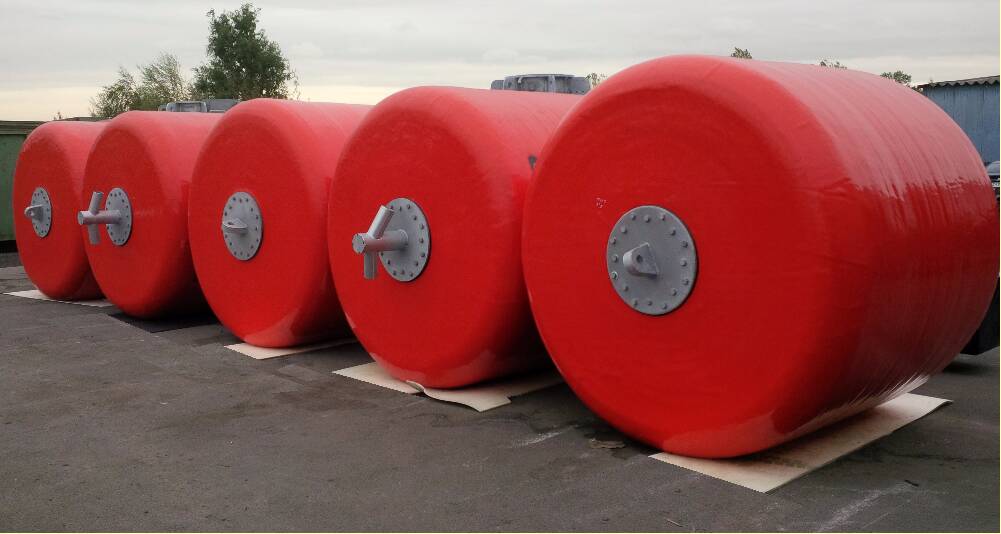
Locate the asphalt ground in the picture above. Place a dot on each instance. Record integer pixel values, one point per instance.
(107, 425)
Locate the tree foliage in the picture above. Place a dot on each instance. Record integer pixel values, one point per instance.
(741, 53)
(594, 79)
(161, 82)
(832, 63)
(242, 62)
(116, 98)
(155, 83)
(898, 76)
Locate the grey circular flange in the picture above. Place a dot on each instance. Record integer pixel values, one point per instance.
(120, 231)
(408, 263)
(651, 260)
(43, 223)
(242, 226)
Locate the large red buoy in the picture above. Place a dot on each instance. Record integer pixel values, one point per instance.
(437, 175)
(257, 219)
(724, 254)
(48, 181)
(135, 210)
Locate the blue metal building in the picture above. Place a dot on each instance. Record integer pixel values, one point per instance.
(973, 104)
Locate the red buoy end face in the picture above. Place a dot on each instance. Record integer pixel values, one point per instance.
(821, 262)
(141, 168)
(48, 180)
(257, 219)
(462, 156)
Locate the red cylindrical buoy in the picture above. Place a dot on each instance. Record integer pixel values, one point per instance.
(48, 181)
(257, 219)
(424, 231)
(134, 214)
(724, 254)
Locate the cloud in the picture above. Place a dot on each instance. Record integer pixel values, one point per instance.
(346, 94)
(304, 50)
(500, 54)
(405, 26)
(57, 49)
(509, 56)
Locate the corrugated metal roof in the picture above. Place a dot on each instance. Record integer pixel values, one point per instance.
(18, 127)
(984, 80)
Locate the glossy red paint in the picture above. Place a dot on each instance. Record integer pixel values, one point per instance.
(149, 154)
(282, 153)
(846, 236)
(463, 156)
(53, 157)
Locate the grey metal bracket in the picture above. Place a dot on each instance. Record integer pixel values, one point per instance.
(116, 217)
(400, 236)
(651, 260)
(242, 226)
(40, 212)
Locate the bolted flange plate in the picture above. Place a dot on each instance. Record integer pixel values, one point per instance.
(407, 264)
(651, 260)
(41, 220)
(242, 226)
(120, 231)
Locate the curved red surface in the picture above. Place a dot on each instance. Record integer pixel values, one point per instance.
(149, 154)
(463, 156)
(846, 236)
(53, 157)
(283, 153)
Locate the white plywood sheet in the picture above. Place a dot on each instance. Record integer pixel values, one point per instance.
(264, 353)
(772, 468)
(480, 397)
(38, 295)
(373, 374)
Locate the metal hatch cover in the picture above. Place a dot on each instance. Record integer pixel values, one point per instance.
(242, 226)
(40, 212)
(119, 231)
(651, 260)
(407, 263)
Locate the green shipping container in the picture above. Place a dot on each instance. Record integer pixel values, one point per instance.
(12, 135)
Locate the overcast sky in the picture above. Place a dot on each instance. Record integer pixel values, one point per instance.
(55, 55)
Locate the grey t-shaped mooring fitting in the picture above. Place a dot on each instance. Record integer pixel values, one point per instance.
(117, 217)
(40, 212)
(377, 239)
(35, 212)
(399, 236)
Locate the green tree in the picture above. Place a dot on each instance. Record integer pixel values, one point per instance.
(242, 62)
(833, 63)
(741, 53)
(116, 98)
(161, 82)
(594, 79)
(898, 76)
(157, 83)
